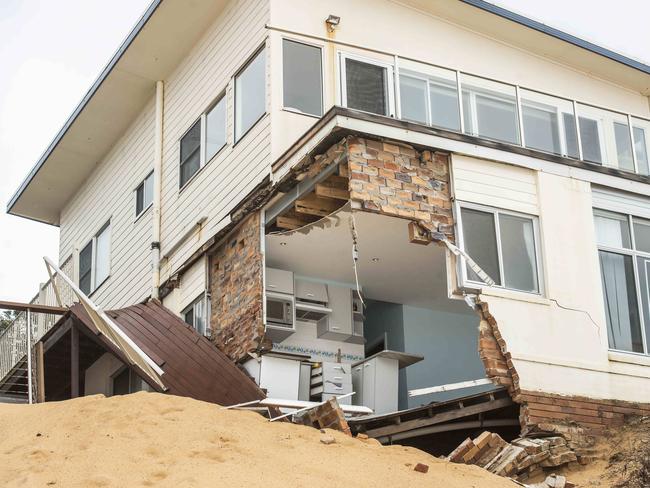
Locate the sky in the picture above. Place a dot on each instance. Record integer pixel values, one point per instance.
(52, 51)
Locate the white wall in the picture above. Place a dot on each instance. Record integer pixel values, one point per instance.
(98, 376)
(192, 284)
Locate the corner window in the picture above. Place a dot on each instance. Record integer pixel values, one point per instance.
(302, 77)
(94, 261)
(250, 94)
(503, 244)
(144, 195)
(366, 85)
(203, 141)
(624, 257)
(196, 315)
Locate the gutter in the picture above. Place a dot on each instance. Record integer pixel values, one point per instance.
(558, 34)
(84, 101)
(157, 190)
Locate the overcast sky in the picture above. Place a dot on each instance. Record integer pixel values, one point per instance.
(52, 51)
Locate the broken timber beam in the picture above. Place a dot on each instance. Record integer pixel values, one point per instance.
(314, 205)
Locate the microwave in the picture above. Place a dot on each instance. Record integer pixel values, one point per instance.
(280, 310)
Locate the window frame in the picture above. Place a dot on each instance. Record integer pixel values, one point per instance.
(203, 149)
(242, 68)
(322, 77)
(495, 211)
(203, 299)
(634, 253)
(143, 185)
(342, 94)
(93, 259)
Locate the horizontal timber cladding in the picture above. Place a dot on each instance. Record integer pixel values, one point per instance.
(547, 411)
(236, 291)
(398, 180)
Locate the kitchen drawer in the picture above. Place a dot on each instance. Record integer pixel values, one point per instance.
(279, 281)
(331, 388)
(336, 371)
(344, 401)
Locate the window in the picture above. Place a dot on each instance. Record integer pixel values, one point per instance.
(250, 94)
(624, 256)
(641, 129)
(195, 315)
(490, 109)
(126, 381)
(366, 86)
(94, 260)
(504, 245)
(144, 195)
(302, 77)
(430, 99)
(209, 131)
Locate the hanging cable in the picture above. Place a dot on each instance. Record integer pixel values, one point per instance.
(355, 255)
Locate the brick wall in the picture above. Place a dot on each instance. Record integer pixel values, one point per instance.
(236, 290)
(545, 411)
(398, 180)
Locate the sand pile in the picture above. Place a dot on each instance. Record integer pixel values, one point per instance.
(150, 439)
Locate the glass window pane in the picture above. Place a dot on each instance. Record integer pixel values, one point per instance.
(250, 95)
(641, 130)
(139, 199)
(480, 242)
(188, 316)
(366, 86)
(190, 153)
(603, 137)
(570, 134)
(215, 129)
(413, 98)
(612, 229)
(518, 252)
(148, 190)
(85, 264)
(302, 79)
(490, 109)
(199, 317)
(102, 255)
(642, 234)
(623, 146)
(542, 117)
(643, 268)
(444, 104)
(621, 306)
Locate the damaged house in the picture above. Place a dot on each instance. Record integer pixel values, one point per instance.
(437, 210)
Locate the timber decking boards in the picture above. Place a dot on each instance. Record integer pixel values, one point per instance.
(471, 411)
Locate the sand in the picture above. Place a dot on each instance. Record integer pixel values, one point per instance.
(150, 439)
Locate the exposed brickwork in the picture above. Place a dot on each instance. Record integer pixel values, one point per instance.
(396, 179)
(544, 411)
(494, 353)
(236, 291)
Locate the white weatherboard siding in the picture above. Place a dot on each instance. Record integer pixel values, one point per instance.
(221, 183)
(494, 184)
(192, 284)
(109, 193)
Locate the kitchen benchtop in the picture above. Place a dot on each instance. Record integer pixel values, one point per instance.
(404, 359)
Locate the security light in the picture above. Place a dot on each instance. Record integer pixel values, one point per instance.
(332, 22)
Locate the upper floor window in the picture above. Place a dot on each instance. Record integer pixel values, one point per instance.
(144, 195)
(366, 85)
(250, 94)
(196, 315)
(203, 141)
(302, 77)
(503, 244)
(624, 255)
(94, 260)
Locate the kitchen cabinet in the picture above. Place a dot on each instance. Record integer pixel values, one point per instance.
(278, 373)
(279, 281)
(337, 325)
(376, 380)
(331, 379)
(311, 291)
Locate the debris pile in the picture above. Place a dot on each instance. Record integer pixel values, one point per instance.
(525, 457)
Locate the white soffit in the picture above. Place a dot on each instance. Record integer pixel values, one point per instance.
(156, 46)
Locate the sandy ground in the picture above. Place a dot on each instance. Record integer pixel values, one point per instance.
(150, 439)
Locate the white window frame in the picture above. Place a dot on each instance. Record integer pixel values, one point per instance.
(462, 267)
(203, 149)
(320, 47)
(561, 128)
(93, 258)
(342, 94)
(633, 253)
(144, 187)
(202, 298)
(473, 112)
